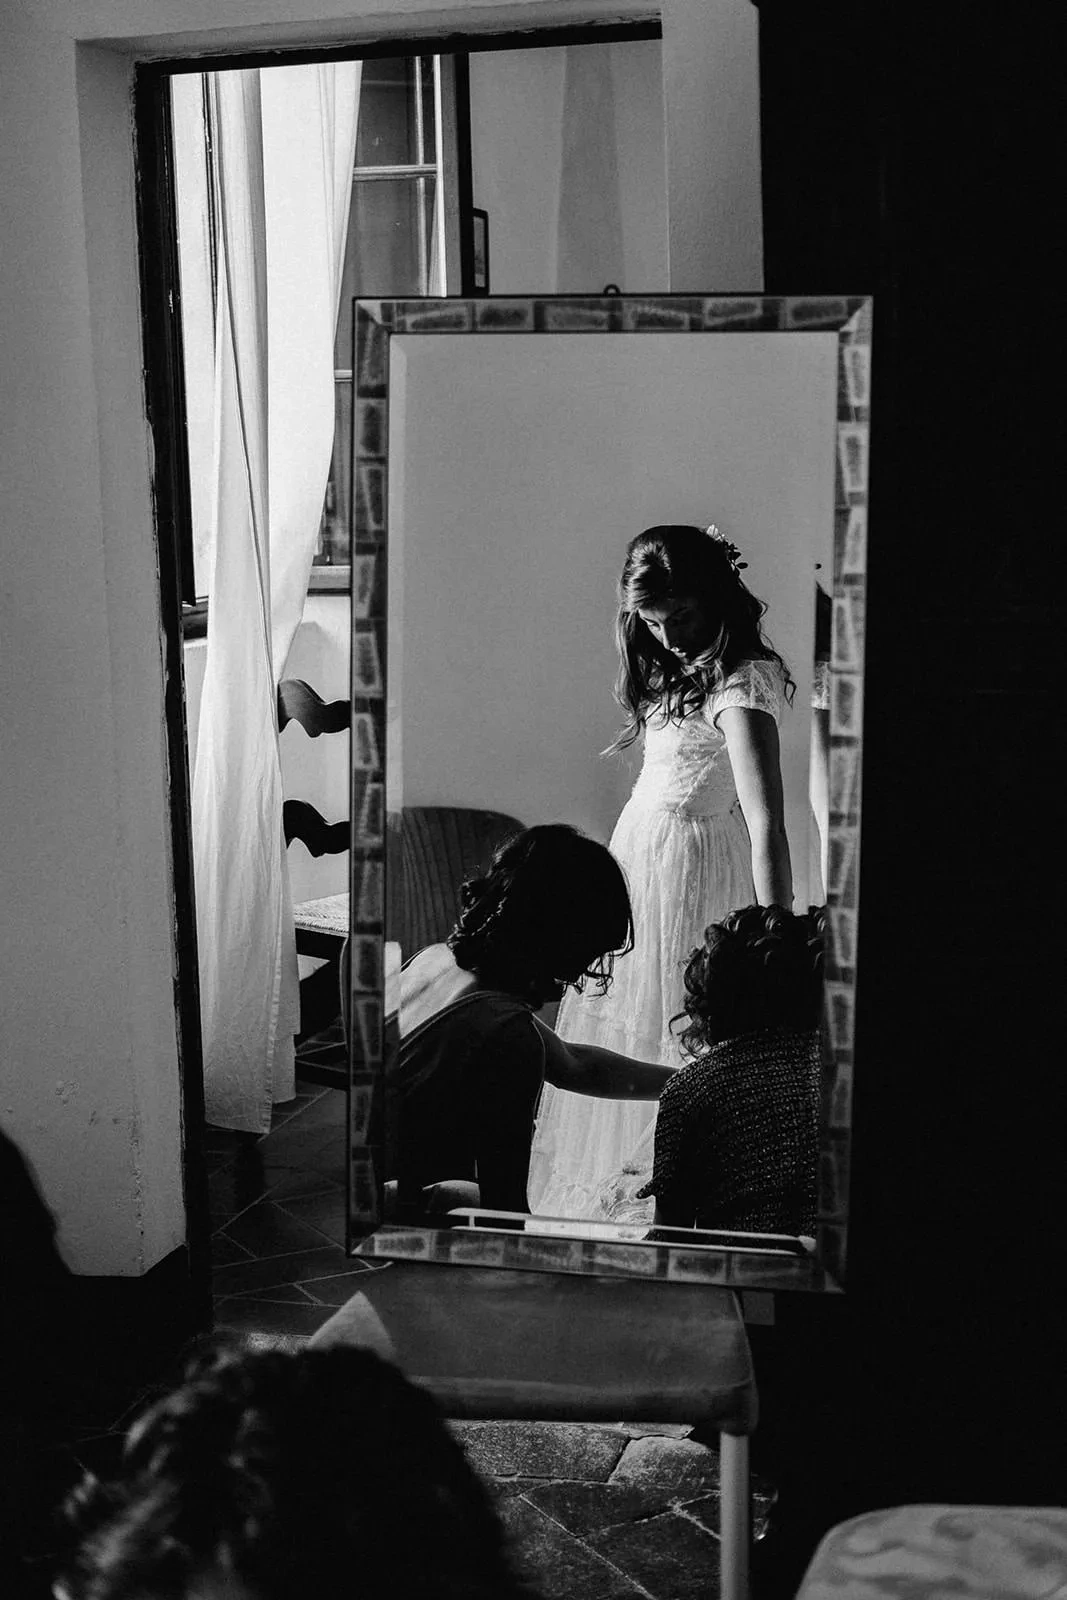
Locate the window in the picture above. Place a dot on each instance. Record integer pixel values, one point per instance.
(403, 239)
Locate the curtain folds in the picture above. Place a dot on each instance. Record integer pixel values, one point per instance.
(283, 148)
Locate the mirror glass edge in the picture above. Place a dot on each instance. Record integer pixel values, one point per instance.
(846, 673)
(364, 980)
(374, 322)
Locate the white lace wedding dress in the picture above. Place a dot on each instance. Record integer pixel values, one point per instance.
(683, 844)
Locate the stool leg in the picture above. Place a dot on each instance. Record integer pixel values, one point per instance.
(733, 1516)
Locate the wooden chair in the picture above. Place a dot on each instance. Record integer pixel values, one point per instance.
(432, 850)
(500, 1344)
(321, 924)
(440, 847)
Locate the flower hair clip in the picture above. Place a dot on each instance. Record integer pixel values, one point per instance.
(731, 552)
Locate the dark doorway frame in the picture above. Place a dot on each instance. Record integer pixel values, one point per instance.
(165, 409)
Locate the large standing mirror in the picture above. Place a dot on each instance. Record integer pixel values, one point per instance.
(504, 453)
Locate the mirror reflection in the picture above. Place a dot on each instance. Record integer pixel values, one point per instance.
(610, 573)
(702, 835)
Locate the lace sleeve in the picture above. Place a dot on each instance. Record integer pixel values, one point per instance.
(820, 687)
(756, 686)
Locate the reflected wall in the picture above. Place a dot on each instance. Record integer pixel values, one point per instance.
(517, 478)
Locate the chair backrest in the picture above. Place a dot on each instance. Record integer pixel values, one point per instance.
(440, 848)
(431, 850)
(298, 702)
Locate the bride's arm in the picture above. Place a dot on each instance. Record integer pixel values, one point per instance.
(752, 743)
(590, 1069)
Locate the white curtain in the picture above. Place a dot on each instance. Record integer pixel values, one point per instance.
(283, 144)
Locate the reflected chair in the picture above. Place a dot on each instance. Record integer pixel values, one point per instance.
(440, 848)
(497, 1344)
(431, 851)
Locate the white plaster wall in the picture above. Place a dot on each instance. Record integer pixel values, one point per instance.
(522, 469)
(516, 120)
(711, 85)
(88, 1055)
(637, 73)
(88, 1058)
(516, 128)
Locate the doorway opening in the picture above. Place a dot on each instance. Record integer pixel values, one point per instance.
(449, 193)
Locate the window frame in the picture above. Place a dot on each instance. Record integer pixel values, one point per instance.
(161, 287)
(448, 174)
(165, 413)
(336, 577)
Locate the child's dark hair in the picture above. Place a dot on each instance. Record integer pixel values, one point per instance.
(760, 968)
(552, 910)
(314, 1473)
(671, 560)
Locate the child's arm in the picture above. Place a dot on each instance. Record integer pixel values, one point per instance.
(590, 1069)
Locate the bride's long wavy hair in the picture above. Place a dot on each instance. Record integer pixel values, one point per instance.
(676, 559)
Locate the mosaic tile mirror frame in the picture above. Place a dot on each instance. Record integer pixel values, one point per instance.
(848, 319)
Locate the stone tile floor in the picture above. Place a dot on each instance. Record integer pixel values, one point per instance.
(611, 1512)
(606, 1511)
(601, 1511)
(277, 1207)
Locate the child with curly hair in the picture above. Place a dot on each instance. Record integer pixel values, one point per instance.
(737, 1133)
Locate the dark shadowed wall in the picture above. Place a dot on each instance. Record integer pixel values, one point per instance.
(902, 152)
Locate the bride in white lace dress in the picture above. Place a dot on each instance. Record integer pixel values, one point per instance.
(702, 834)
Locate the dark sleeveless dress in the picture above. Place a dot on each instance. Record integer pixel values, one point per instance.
(464, 1093)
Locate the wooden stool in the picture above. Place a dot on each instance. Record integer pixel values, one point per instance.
(499, 1345)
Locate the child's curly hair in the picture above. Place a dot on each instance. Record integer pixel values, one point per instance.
(289, 1475)
(552, 910)
(760, 968)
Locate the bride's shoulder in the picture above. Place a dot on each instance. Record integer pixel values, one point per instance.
(755, 684)
(758, 669)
